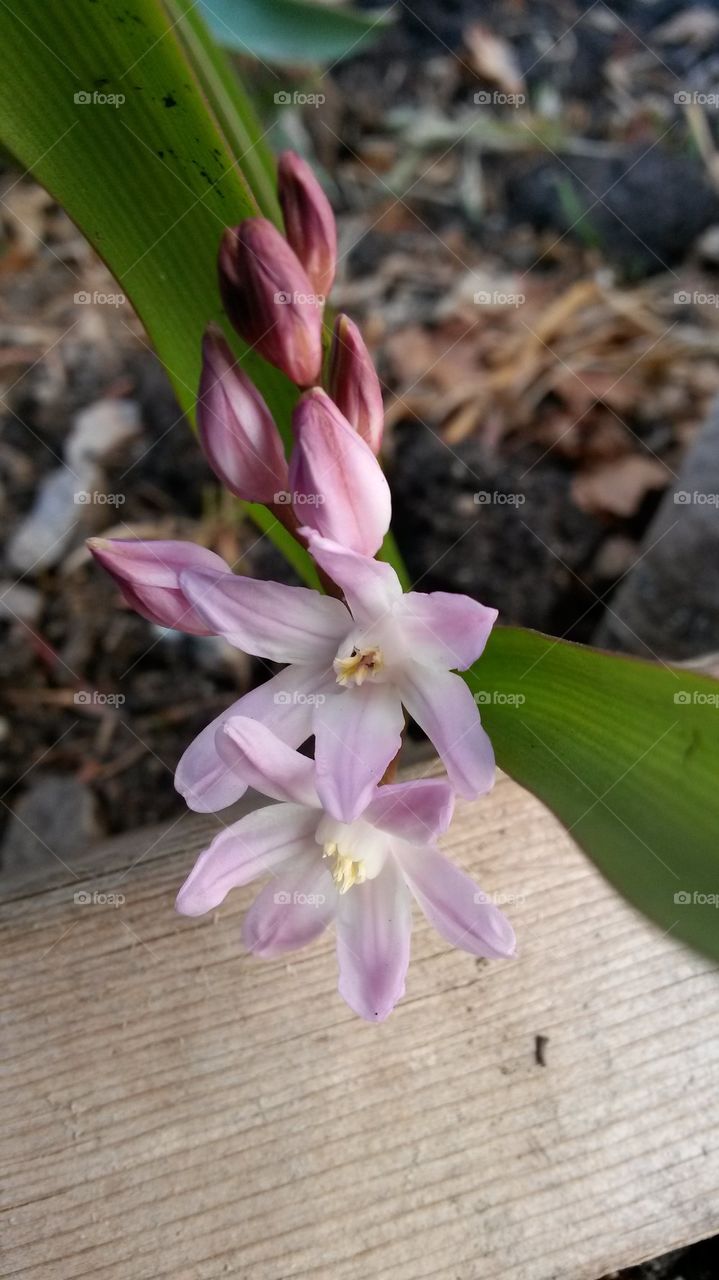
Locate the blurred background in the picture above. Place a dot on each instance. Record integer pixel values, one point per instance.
(528, 206)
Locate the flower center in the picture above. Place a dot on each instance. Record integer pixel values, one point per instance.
(354, 851)
(361, 664)
(345, 870)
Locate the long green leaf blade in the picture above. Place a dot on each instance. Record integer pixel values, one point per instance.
(626, 753)
(135, 138)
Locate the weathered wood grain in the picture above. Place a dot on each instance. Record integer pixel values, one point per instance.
(173, 1108)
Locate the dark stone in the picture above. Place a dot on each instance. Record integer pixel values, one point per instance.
(668, 606)
(644, 209)
(53, 822)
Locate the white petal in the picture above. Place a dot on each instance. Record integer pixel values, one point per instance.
(245, 850)
(443, 706)
(285, 704)
(357, 732)
(293, 909)
(374, 926)
(266, 762)
(371, 587)
(445, 630)
(269, 619)
(454, 904)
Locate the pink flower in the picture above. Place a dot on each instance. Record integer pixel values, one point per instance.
(270, 299)
(309, 220)
(353, 383)
(337, 485)
(147, 573)
(237, 431)
(361, 874)
(351, 669)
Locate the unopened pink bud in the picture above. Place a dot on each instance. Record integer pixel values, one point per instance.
(148, 574)
(237, 430)
(337, 484)
(270, 300)
(309, 220)
(353, 383)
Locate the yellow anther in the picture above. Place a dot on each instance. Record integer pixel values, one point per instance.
(360, 664)
(345, 871)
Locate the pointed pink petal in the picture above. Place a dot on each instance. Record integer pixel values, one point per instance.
(454, 905)
(285, 704)
(371, 587)
(373, 937)
(237, 431)
(444, 708)
(418, 811)
(338, 487)
(256, 844)
(269, 619)
(293, 909)
(357, 732)
(148, 574)
(445, 630)
(353, 383)
(266, 762)
(309, 220)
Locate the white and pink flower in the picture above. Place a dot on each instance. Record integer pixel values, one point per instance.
(360, 875)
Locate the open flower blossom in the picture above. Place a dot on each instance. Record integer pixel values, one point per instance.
(360, 874)
(352, 667)
(343, 844)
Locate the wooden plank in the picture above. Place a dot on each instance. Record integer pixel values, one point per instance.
(174, 1108)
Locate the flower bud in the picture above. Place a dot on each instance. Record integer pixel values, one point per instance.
(148, 574)
(237, 430)
(337, 484)
(309, 220)
(269, 299)
(353, 382)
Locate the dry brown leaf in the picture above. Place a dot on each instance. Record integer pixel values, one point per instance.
(617, 488)
(493, 58)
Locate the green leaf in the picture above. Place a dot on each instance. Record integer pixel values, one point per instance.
(626, 753)
(291, 31)
(133, 121)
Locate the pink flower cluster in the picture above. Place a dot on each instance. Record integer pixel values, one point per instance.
(342, 844)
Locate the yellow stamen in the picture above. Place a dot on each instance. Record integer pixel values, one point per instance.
(358, 666)
(345, 871)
